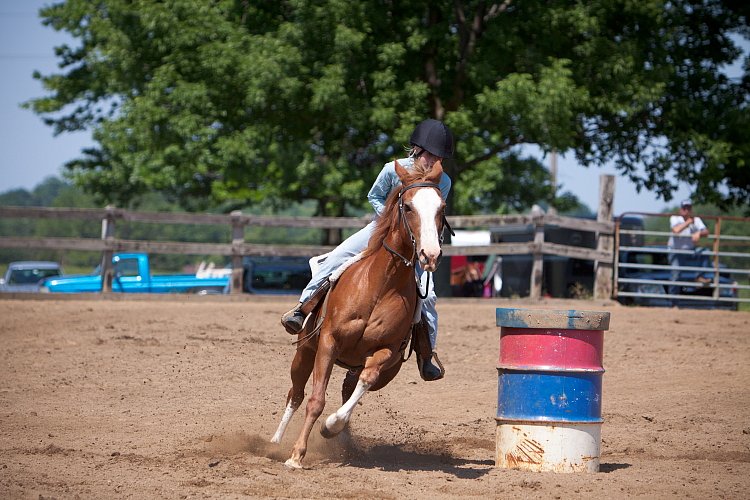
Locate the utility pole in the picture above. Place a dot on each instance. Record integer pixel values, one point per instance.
(553, 172)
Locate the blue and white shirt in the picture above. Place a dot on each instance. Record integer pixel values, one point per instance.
(388, 179)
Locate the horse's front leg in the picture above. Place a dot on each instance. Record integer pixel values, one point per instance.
(302, 365)
(374, 365)
(324, 360)
(349, 384)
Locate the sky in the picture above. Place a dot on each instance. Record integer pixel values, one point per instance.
(29, 152)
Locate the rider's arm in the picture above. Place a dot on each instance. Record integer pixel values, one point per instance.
(382, 187)
(445, 186)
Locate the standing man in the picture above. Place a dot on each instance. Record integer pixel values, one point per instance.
(687, 230)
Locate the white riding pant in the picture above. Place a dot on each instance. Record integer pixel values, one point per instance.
(352, 246)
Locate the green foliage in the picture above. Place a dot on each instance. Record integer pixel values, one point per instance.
(229, 103)
(51, 192)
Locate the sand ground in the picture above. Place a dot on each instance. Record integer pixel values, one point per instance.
(178, 397)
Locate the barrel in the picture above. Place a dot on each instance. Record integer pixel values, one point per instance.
(549, 390)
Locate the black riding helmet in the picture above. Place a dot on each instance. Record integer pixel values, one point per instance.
(435, 137)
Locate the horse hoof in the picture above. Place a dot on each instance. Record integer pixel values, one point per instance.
(326, 433)
(293, 464)
(332, 426)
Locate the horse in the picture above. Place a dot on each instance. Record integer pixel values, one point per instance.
(366, 321)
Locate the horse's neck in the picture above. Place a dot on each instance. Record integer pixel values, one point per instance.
(400, 242)
(393, 268)
(387, 267)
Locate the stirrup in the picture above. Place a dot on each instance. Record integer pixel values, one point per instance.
(294, 321)
(423, 364)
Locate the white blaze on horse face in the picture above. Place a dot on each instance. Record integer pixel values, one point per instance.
(427, 202)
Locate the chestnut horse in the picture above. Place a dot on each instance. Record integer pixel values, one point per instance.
(368, 317)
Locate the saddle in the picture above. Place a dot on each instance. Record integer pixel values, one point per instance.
(418, 340)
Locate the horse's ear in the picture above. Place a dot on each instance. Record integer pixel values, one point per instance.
(435, 172)
(401, 172)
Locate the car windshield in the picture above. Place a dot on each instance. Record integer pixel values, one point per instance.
(30, 276)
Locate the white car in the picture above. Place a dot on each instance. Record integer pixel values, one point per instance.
(27, 276)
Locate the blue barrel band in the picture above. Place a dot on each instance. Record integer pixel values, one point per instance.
(554, 396)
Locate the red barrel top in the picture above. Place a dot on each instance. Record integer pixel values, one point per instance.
(538, 348)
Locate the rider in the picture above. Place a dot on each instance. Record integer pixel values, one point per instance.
(431, 141)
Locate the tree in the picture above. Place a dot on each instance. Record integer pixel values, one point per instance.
(235, 102)
(50, 192)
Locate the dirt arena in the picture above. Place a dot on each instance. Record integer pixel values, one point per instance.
(178, 398)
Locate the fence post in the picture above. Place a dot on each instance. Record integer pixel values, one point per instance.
(603, 269)
(717, 243)
(535, 287)
(108, 234)
(236, 285)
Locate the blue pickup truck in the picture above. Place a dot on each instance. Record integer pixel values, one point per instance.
(132, 274)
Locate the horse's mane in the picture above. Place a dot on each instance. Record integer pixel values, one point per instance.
(387, 219)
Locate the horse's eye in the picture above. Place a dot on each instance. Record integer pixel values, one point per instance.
(407, 207)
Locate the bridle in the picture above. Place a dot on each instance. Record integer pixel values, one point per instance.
(402, 218)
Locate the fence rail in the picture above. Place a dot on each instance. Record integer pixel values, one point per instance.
(108, 244)
(664, 275)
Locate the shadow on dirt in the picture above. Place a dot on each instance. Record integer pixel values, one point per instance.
(607, 468)
(393, 458)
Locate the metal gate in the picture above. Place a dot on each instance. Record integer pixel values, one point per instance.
(716, 275)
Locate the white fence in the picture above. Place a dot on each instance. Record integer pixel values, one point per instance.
(715, 274)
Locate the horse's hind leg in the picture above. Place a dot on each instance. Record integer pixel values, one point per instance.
(321, 375)
(336, 422)
(302, 365)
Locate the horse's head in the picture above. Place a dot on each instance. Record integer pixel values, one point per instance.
(422, 209)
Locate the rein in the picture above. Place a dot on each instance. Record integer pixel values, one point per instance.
(410, 262)
(402, 217)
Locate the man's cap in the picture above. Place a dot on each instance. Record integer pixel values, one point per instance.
(686, 203)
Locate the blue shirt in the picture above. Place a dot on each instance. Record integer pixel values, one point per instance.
(388, 179)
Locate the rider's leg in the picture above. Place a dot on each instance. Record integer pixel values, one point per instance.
(354, 244)
(427, 368)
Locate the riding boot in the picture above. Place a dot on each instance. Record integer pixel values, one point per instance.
(425, 354)
(293, 320)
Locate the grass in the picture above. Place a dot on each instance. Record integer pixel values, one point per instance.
(744, 306)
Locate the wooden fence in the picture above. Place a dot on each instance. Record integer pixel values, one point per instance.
(237, 248)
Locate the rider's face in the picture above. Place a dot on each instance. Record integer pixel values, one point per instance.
(430, 158)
